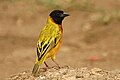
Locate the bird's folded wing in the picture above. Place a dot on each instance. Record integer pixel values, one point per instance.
(45, 46)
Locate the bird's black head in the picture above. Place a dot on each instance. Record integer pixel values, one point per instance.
(58, 16)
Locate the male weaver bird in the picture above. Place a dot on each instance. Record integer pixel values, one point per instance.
(50, 39)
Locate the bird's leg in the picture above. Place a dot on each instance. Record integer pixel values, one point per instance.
(45, 68)
(56, 63)
(46, 64)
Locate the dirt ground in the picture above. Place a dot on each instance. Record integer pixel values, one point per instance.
(91, 35)
(68, 73)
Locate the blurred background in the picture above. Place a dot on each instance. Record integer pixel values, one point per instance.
(91, 33)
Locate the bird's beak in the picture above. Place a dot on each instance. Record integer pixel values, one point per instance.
(65, 14)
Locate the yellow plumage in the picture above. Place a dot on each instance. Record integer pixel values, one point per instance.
(50, 39)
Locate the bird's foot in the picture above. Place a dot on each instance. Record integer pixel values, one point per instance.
(43, 69)
(56, 67)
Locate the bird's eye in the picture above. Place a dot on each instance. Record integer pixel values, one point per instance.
(58, 14)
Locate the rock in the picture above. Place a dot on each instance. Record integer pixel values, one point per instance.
(68, 73)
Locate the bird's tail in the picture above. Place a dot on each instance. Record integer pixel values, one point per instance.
(36, 66)
(35, 69)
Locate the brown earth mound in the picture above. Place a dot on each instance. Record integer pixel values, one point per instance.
(68, 73)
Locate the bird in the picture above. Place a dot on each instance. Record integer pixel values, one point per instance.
(50, 39)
